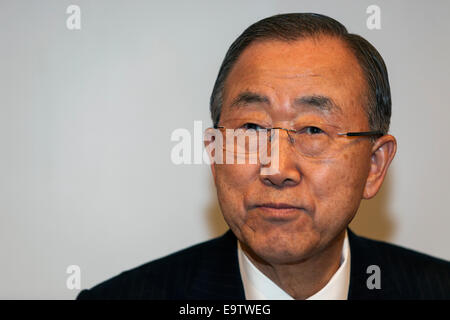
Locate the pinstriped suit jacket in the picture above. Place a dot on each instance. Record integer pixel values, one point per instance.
(210, 270)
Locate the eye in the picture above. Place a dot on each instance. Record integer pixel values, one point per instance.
(253, 126)
(313, 130)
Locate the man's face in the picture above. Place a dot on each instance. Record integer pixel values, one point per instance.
(325, 191)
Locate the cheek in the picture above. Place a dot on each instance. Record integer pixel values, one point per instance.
(235, 177)
(233, 183)
(338, 189)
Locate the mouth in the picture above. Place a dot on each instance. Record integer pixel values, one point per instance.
(278, 211)
(277, 206)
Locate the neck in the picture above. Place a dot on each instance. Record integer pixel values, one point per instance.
(303, 279)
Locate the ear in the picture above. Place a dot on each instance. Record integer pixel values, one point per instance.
(383, 151)
(209, 142)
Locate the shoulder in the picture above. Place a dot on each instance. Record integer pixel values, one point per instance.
(397, 255)
(405, 273)
(164, 278)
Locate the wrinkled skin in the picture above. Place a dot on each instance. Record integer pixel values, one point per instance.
(300, 250)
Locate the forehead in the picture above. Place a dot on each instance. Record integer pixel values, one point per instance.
(287, 71)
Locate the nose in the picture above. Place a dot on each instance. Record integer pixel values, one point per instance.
(288, 173)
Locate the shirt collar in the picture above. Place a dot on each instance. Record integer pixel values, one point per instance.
(257, 286)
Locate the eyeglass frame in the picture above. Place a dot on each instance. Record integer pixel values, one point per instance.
(292, 140)
(348, 134)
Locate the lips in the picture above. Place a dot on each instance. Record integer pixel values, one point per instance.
(278, 206)
(278, 211)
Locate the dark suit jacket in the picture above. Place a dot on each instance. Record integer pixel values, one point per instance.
(210, 270)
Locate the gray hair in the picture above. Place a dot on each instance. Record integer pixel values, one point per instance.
(294, 26)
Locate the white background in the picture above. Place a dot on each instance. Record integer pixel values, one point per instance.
(86, 118)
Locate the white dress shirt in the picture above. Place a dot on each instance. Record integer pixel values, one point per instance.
(257, 286)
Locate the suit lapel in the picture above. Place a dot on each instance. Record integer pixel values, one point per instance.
(363, 255)
(218, 276)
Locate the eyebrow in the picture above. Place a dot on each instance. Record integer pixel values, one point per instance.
(248, 97)
(321, 102)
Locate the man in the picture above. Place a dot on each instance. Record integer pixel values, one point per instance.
(325, 92)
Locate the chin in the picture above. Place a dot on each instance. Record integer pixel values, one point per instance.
(286, 249)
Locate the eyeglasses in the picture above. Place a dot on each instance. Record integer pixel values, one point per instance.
(311, 139)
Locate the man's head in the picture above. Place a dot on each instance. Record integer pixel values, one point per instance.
(288, 71)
